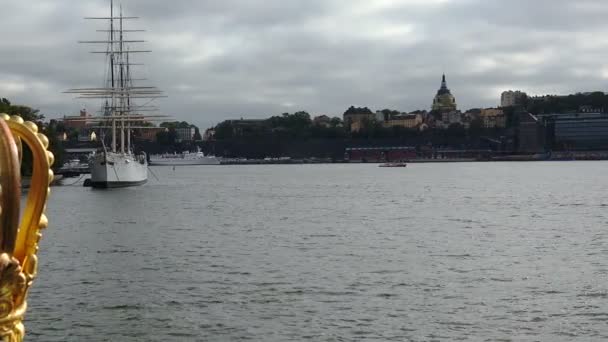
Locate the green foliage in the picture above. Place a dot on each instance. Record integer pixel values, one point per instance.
(176, 124)
(336, 122)
(197, 135)
(456, 130)
(167, 138)
(358, 110)
(224, 130)
(145, 124)
(476, 128)
(567, 104)
(26, 112)
(298, 124)
(50, 130)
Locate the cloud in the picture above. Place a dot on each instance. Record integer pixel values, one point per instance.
(227, 59)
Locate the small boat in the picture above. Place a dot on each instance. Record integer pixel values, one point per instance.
(393, 165)
(74, 168)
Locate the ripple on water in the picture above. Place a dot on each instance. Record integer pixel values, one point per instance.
(329, 253)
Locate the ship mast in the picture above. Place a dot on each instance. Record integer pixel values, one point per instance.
(122, 85)
(119, 90)
(128, 103)
(112, 72)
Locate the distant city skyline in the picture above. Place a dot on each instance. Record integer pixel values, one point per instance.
(233, 59)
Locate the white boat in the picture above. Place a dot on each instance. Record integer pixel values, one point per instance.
(185, 158)
(115, 170)
(398, 164)
(118, 166)
(74, 168)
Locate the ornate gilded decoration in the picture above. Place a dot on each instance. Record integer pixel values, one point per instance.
(19, 240)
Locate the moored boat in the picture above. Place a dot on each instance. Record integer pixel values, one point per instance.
(393, 165)
(117, 165)
(185, 158)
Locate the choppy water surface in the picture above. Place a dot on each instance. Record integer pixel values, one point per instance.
(486, 251)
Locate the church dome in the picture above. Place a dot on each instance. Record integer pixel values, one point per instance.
(444, 101)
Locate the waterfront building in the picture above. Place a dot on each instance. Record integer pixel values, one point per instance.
(383, 116)
(531, 133)
(512, 98)
(354, 117)
(357, 126)
(590, 109)
(404, 120)
(149, 134)
(185, 133)
(444, 101)
(493, 118)
(78, 122)
(453, 117)
(580, 131)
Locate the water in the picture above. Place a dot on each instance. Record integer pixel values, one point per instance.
(471, 251)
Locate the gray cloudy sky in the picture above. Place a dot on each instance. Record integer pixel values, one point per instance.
(222, 59)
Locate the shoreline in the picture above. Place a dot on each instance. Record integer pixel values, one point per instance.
(413, 161)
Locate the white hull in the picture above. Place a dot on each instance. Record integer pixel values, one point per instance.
(116, 170)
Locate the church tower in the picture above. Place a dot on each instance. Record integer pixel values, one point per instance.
(444, 101)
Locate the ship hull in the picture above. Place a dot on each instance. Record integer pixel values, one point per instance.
(109, 185)
(117, 170)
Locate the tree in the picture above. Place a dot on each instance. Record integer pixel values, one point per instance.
(167, 138)
(476, 128)
(336, 122)
(51, 130)
(25, 112)
(197, 135)
(358, 110)
(30, 114)
(224, 130)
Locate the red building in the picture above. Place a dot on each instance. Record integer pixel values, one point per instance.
(78, 122)
(149, 133)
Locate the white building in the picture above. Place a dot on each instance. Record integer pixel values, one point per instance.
(512, 98)
(185, 133)
(451, 117)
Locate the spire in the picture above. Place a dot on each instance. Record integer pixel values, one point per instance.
(444, 86)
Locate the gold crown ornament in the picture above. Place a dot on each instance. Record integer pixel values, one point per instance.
(19, 239)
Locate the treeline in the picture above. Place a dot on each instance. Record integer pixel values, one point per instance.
(168, 141)
(567, 104)
(50, 129)
(297, 135)
(298, 125)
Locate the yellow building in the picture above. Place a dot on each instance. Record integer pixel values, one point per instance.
(406, 121)
(444, 101)
(493, 118)
(356, 126)
(355, 118)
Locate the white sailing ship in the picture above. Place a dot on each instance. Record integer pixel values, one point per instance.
(118, 165)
